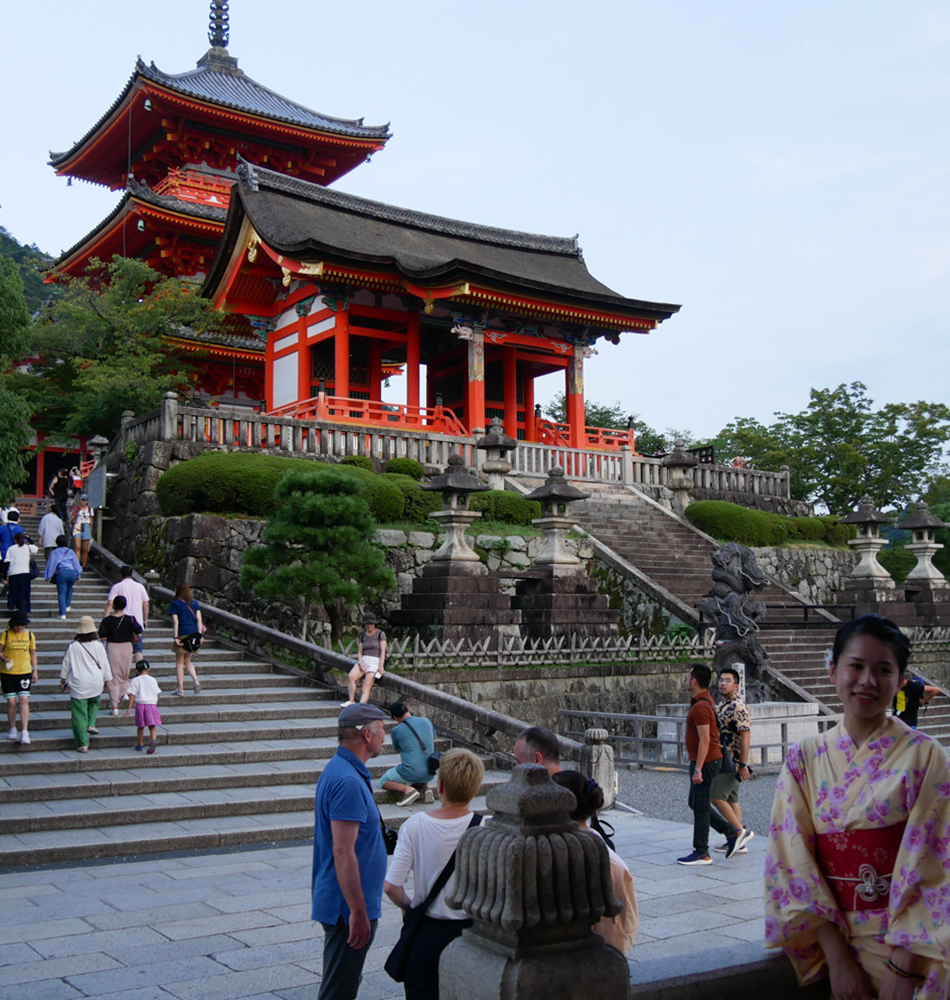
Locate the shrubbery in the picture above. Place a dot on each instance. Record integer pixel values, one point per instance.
(359, 461)
(731, 522)
(406, 467)
(500, 505)
(419, 503)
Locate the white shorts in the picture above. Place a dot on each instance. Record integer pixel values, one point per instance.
(370, 664)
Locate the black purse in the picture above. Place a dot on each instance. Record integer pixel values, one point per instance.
(434, 758)
(412, 920)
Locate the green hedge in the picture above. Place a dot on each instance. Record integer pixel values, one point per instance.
(504, 506)
(385, 499)
(359, 462)
(730, 522)
(406, 467)
(419, 503)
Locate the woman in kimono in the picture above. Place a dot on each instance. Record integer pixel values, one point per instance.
(856, 877)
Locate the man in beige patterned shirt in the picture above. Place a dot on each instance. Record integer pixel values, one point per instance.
(735, 727)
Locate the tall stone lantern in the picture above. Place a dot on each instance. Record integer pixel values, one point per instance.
(534, 884)
(496, 444)
(680, 463)
(922, 525)
(455, 485)
(555, 496)
(868, 520)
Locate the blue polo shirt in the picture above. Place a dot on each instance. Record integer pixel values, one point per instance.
(343, 793)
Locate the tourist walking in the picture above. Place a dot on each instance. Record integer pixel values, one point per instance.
(136, 603)
(349, 853)
(705, 759)
(425, 849)
(144, 693)
(58, 489)
(735, 735)
(621, 931)
(51, 527)
(18, 673)
(63, 569)
(82, 529)
(8, 532)
(913, 693)
(19, 576)
(84, 673)
(119, 630)
(188, 630)
(370, 659)
(414, 738)
(855, 875)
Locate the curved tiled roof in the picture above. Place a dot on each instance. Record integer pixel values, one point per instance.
(218, 80)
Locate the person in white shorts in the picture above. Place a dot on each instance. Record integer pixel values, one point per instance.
(370, 660)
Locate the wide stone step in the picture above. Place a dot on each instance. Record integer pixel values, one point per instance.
(216, 684)
(54, 706)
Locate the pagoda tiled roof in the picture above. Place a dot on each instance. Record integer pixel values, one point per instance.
(217, 79)
(307, 221)
(142, 192)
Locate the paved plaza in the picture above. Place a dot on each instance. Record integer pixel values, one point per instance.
(223, 926)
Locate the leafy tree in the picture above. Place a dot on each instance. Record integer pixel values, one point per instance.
(318, 548)
(15, 328)
(101, 346)
(31, 263)
(596, 414)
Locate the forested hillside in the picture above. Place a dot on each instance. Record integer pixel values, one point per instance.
(32, 262)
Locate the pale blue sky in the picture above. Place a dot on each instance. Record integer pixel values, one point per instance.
(779, 169)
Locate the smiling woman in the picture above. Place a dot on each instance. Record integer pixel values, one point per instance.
(855, 877)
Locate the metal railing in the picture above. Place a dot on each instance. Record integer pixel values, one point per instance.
(648, 749)
(821, 616)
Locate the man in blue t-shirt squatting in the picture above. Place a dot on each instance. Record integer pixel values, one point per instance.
(349, 855)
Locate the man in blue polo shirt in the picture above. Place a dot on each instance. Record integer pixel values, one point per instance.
(349, 855)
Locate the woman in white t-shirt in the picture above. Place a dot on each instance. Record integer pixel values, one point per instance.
(426, 843)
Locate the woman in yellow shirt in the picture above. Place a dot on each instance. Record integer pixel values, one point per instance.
(18, 672)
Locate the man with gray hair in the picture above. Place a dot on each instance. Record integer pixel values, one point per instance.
(536, 745)
(349, 855)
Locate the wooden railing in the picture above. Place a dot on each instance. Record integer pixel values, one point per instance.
(342, 410)
(557, 434)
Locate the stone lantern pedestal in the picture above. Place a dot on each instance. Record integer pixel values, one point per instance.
(534, 885)
(496, 444)
(679, 464)
(925, 585)
(559, 598)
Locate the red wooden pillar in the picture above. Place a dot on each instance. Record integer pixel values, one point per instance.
(529, 434)
(341, 355)
(475, 392)
(413, 355)
(510, 368)
(575, 402)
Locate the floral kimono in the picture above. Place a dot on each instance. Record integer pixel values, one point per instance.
(861, 838)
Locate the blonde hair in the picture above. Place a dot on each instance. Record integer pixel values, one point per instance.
(461, 774)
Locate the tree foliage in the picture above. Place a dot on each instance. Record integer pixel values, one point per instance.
(31, 262)
(102, 350)
(318, 548)
(15, 329)
(648, 440)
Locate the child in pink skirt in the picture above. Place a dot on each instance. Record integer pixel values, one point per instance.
(144, 693)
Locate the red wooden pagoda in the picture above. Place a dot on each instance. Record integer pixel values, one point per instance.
(348, 286)
(171, 142)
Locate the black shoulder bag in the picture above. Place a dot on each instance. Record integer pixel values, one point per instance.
(728, 765)
(412, 920)
(434, 758)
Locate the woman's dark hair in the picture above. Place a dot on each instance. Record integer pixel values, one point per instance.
(589, 796)
(183, 591)
(62, 541)
(118, 603)
(20, 538)
(86, 636)
(882, 629)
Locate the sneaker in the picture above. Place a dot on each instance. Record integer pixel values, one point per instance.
(732, 844)
(409, 797)
(429, 797)
(13, 734)
(69, 608)
(151, 746)
(115, 711)
(138, 746)
(721, 849)
(82, 749)
(92, 731)
(24, 737)
(62, 618)
(744, 839)
(343, 704)
(197, 687)
(695, 859)
(179, 693)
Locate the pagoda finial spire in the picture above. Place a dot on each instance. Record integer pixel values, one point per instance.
(218, 33)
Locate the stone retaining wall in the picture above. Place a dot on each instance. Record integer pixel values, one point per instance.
(815, 573)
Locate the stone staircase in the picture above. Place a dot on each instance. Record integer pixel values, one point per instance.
(236, 764)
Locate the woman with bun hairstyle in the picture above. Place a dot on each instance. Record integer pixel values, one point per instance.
(619, 931)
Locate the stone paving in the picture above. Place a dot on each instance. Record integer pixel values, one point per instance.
(224, 926)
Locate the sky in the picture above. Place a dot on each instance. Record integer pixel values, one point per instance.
(778, 169)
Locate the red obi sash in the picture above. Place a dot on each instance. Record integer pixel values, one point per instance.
(858, 865)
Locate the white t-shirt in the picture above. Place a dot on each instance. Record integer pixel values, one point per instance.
(18, 558)
(424, 848)
(135, 596)
(145, 689)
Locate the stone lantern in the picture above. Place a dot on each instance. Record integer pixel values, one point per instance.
(534, 884)
(868, 520)
(455, 485)
(922, 525)
(555, 496)
(680, 463)
(496, 444)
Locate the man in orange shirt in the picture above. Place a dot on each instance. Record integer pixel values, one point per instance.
(705, 759)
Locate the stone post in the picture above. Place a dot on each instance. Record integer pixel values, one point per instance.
(168, 421)
(626, 465)
(534, 883)
(680, 464)
(496, 445)
(597, 762)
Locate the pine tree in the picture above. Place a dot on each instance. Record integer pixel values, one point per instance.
(318, 548)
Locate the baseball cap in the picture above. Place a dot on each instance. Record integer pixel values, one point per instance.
(360, 715)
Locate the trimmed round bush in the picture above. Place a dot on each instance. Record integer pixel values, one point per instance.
(385, 499)
(504, 506)
(729, 522)
(419, 503)
(406, 467)
(359, 462)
